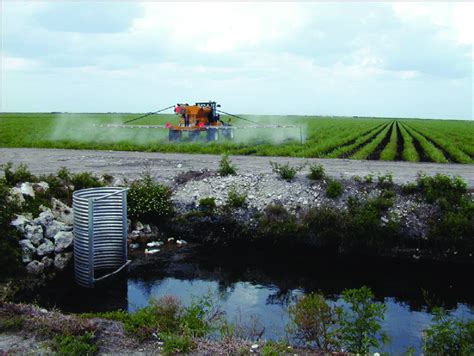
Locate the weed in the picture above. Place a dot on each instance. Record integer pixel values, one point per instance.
(314, 322)
(235, 199)
(409, 188)
(11, 323)
(385, 181)
(277, 224)
(285, 171)
(148, 200)
(361, 322)
(19, 175)
(85, 180)
(316, 172)
(334, 189)
(276, 348)
(80, 345)
(325, 226)
(207, 205)
(176, 344)
(225, 166)
(369, 178)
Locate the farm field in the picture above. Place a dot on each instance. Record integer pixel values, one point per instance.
(414, 140)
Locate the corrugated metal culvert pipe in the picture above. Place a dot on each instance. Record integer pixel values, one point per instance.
(100, 233)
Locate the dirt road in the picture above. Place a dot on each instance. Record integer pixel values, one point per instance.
(167, 165)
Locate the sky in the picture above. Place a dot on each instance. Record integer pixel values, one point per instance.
(395, 59)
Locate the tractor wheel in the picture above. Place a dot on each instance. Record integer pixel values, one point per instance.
(174, 135)
(212, 135)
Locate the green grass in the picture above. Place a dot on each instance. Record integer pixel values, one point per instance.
(329, 137)
(390, 150)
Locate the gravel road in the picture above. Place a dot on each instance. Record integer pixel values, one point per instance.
(167, 165)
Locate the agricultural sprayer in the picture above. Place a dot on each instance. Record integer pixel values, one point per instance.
(201, 121)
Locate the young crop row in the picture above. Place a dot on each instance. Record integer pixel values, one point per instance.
(433, 153)
(366, 150)
(390, 151)
(409, 151)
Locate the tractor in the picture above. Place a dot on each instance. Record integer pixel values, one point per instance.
(198, 118)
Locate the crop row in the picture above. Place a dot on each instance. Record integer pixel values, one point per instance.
(366, 150)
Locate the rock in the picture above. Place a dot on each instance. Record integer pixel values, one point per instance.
(21, 222)
(134, 235)
(255, 346)
(62, 241)
(47, 262)
(35, 268)
(179, 165)
(139, 226)
(34, 233)
(45, 218)
(53, 228)
(181, 242)
(40, 187)
(134, 246)
(62, 212)
(152, 251)
(154, 244)
(46, 248)
(171, 239)
(27, 189)
(61, 260)
(27, 250)
(147, 229)
(16, 195)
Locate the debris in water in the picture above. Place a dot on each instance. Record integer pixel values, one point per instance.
(152, 251)
(154, 244)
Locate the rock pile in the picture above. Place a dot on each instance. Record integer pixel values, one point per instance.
(47, 240)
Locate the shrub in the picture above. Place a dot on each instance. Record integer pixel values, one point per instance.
(85, 180)
(199, 319)
(361, 322)
(369, 178)
(235, 199)
(314, 321)
(385, 181)
(11, 323)
(409, 188)
(442, 189)
(19, 175)
(334, 189)
(82, 345)
(325, 226)
(316, 172)
(148, 200)
(225, 166)
(285, 171)
(177, 344)
(277, 224)
(448, 335)
(276, 348)
(208, 204)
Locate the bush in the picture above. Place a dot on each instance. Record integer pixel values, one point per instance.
(20, 175)
(448, 335)
(276, 348)
(82, 345)
(285, 171)
(148, 200)
(325, 226)
(361, 323)
(442, 189)
(225, 166)
(177, 344)
(314, 321)
(316, 172)
(85, 180)
(334, 189)
(208, 204)
(278, 224)
(409, 188)
(385, 181)
(234, 199)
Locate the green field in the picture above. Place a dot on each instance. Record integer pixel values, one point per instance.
(332, 137)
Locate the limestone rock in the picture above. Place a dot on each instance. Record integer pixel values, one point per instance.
(27, 251)
(62, 241)
(62, 212)
(35, 267)
(40, 187)
(16, 195)
(45, 218)
(47, 262)
(53, 228)
(139, 226)
(21, 222)
(27, 189)
(34, 233)
(61, 260)
(46, 248)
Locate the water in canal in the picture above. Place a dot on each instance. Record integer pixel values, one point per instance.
(256, 286)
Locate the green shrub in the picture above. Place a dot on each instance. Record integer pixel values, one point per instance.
(385, 181)
(199, 319)
(208, 204)
(369, 178)
(19, 175)
(325, 226)
(235, 199)
(82, 345)
(11, 323)
(148, 200)
(442, 188)
(360, 323)
(448, 335)
(316, 172)
(278, 224)
(85, 180)
(334, 189)
(315, 322)
(176, 344)
(225, 166)
(276, 348)
(409, 188)
(285, 171)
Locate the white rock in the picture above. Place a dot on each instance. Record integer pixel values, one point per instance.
(21, 222)
(154, 244)
(53, 228)
(181, 242)
(179, 165)
(147, 229)
(46, 248)
(171, 239)
(16, 195)
(35, 268)
(62, 241)
(40, 187)
(27, 189)
(27, 251)
(34, 233)
(61, 260)
(139, 226)
(151, 251)
(134, 246)
(47, 262)
(45, 218)
(62, 212)
(255, 346)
